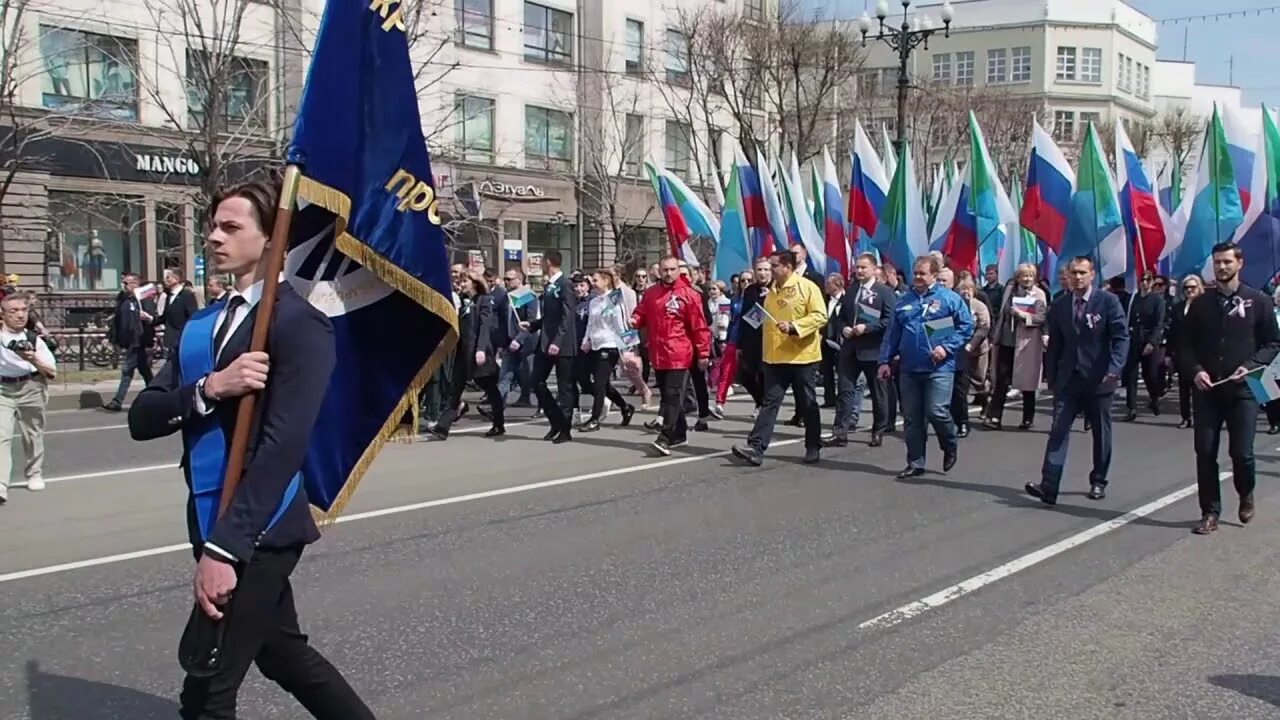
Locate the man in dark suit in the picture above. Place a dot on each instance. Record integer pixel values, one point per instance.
(1230, 332)
(861, 321)
(246, 554)
(215, 290)
(517, 361)
(1088, 345)
(556, 348)
(1146, 348)
(132, 330)
(175, 306)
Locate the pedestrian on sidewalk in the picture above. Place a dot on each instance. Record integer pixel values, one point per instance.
(26, 367)
(1230, 330)
(131, 330)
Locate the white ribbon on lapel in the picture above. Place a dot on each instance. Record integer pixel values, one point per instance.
(1238, 306)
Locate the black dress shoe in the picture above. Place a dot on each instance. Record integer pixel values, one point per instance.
(993, 423)
(1026, 424)
(701, 426)
(589, 426)
(1088, 426)
(749, 454)
(835, 441)
(496, 432)
(653, 425)
(949, 460)
(1097, 492)
(877, 439)
(113, 406)
(796, 421)
(1035, 490)
(628, 412)
(434, 431)
(1187, 423)
(1155, 408)
(1131, 416)
(551, 434)
(1273, 430)
(811, 456)
(1246, 509)
(1207, 524)
(562, 437)
(910, 472)
(962, 432)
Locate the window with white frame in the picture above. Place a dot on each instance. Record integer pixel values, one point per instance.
(548, 138)
(475, 23)
(964, 68)
(1064, 125)
(1120, 79)
(1091, 65)
(635, 47)
(679, 148)
(942, 68)
(548, 34)
(1020, 67)
(473, 131)
(997, 66)
(1066, 63)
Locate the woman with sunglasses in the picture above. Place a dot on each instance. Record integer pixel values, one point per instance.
(1192, 288)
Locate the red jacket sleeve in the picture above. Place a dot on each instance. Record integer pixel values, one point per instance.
(696, 322)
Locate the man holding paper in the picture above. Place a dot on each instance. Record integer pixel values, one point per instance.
(795, 315)
(1088, 346)
(1230, 333)
(862, 320)
(930, 325)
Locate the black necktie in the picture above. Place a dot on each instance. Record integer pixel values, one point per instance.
(233, 304)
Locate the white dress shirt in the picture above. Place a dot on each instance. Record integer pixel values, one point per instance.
(11, 363)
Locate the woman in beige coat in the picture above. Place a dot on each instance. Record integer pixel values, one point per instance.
(1019, 341)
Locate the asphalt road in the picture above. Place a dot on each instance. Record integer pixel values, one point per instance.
(515, 579)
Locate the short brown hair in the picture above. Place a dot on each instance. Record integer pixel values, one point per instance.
(263, 195)
(935, 265)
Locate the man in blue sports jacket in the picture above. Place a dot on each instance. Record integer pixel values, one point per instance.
(1088, 347)
(930, 325)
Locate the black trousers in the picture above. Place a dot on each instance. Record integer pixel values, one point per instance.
(891, 392)
(1238, 410)
(1150, 367)
(701, 393)
(777, 378)
(830, 362)
(751, 377)
(497, 401)
(262, 629)
(960, 394)
(851, 368)
(603, 363)
(1186, 389)
(555, 407)
(1273, 412)
(1000, 389)
(671, 392)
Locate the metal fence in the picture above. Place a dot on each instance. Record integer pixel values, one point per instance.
(84, 348)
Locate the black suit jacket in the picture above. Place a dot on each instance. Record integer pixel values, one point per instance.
(302, 354)
(177, 311)
(558, 326)
(1088, 351)
(1146, 320)
(865, 347)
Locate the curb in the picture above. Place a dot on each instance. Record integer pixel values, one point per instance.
(83, 400)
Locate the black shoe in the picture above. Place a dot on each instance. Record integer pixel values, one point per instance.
(434, 431)
(701, 426)
(796, 421)
(1207, 524)
(910, 472)
(551, 434)
(949, 460)
(1088, 426)
(1097, 492)
(749, 454)
(994, 423)
(628, 412)
(835, 441)
(538, 414)
(589, 426)
(484, 412)
(661, 446)
(562, 437)
(962, 432)
(113, 406)
(1155, 408)
(462, 411)
(1247, 509)
(673, 444)
(877, 439)
(1036, 490)
(1187, 424)
(1131, 416)
(495, 432)
(812, 456)
(1274, 430)
(654, 425)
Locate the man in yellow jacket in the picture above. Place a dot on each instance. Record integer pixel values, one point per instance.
(792, 317)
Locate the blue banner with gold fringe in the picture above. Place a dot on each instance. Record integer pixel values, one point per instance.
(366, 245)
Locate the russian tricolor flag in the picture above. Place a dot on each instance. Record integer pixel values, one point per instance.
(1050, 183)
(868, 188)
(833, 227)
(1145, 221)
(764, 242)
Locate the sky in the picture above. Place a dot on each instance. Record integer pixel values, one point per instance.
(1210, 44)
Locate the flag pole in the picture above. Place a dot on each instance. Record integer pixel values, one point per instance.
(276, 250)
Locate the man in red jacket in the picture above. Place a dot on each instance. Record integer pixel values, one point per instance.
(672, 313)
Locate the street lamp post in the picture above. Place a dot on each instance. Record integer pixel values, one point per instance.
(904, 40)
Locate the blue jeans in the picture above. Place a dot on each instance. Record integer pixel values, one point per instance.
(516, 368)
(850, 384)
(131, 360)
(926, 397)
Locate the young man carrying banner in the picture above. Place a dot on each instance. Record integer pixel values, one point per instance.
(246, 554)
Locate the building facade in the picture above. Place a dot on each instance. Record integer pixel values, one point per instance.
(108, 159)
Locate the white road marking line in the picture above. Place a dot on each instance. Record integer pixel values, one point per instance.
(122, 557)
(102, 473)
(959, 590)
(83, 429)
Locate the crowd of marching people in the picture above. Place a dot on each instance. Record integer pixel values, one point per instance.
(933, 344)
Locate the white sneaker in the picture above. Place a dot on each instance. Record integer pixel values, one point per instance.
(35, 484)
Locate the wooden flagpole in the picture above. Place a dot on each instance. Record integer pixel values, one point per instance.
(261, 327)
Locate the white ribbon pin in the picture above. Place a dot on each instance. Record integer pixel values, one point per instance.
(1238, 306)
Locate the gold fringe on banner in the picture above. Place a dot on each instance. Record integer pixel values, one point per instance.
(442, 307)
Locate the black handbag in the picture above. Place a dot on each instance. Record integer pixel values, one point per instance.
(200, 651)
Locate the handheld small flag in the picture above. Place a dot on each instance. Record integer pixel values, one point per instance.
(940, 329)
(1263, 382)
(868, 314)
(755, 317)
(521, 296)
